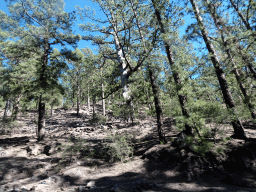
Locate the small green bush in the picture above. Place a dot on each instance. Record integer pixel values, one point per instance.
(119, 149)
(77, 146)
(98, 119)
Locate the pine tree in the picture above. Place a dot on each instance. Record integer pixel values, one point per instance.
(219, 23)
(44, 21)
(236, 123)
(163, 28)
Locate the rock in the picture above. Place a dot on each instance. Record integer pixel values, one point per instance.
(90, 185)
(46, 150)
(33, 188)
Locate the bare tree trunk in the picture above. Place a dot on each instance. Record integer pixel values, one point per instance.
(157, 106)
(236, 123)
(41, 120)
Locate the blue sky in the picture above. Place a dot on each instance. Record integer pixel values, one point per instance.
(70, 4)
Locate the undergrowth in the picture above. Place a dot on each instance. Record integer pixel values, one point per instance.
(7, 126)
(119, 148)
(98, 119)
(116, 148)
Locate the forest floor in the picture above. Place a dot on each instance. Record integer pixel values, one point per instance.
(70, 158)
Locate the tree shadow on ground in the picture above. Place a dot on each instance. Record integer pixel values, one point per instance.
(249, 125)
(164, 168)
(15, 141)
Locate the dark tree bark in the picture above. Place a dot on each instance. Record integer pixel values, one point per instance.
(237, 125)
(41, 120)
(73, 96)
(157, 106)
(78, 95)
(182, 98)
(52, 105)
(41, 107)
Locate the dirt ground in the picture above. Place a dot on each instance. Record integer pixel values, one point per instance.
(28, 165)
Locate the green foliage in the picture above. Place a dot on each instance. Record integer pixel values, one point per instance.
(2, 102)
(72, 149)
(203, 147)
(220, 149)
(7, 127)
(98, 119)
(119, 149)
(121, 109)
(206, 109)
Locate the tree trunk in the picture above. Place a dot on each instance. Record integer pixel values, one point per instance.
(93, 107)
(88, 97)
(7, 109)
(78, 95)
(73, 96)
(16, 107)
(103, 100)
(157, 106)
(123, 67)
(51, 103)
(182, 98)
(41, 108)
(237, 125)
(37, 104)
(51, 109)
(41, 120)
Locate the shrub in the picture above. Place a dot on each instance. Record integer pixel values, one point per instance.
(119, 149)
(98, 119)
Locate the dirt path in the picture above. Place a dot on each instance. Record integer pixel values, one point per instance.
(28, 165)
